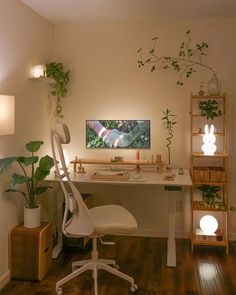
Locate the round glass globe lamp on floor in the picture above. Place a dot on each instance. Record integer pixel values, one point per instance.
(208, 224)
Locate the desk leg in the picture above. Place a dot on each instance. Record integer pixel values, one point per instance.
(171, 251)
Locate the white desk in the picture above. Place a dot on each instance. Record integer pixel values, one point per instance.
(146, 177)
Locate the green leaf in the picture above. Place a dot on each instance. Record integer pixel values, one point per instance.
(28, 160)
(40, 174)
(4, 163)
(153, 68)
(46, 163)
(17, 179)
(33, 146)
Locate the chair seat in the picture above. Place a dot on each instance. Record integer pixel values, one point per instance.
(113, 219)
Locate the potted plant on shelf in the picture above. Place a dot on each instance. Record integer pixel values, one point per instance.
(211, 195)
(56, 71)
(210, 109)
(31, 178)
(169, 121)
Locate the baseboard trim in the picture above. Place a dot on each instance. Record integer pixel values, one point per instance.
(178, 235)
(161, 234)
(4, 279)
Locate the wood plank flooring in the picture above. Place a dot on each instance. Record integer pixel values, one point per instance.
(206, 271)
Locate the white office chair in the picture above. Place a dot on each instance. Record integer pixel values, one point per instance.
(94, 223)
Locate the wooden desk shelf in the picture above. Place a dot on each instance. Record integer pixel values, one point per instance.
(137, 163)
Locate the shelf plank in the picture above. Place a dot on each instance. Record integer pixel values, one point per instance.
(202, 206)
(216, 155)
(201, 116)
(202, 133)
(208, 96)
(123, 162)
(209, 182)
(44, 79)
(223, 243)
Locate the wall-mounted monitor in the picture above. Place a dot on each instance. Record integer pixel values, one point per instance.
(118, 134)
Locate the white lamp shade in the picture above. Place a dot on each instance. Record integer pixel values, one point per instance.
(208, 224)
(38, 71)
(7, 114)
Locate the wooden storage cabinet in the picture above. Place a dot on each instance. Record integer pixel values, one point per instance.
(209, 170)
(31, 252)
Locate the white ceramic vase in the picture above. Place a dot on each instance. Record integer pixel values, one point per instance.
(32, 217)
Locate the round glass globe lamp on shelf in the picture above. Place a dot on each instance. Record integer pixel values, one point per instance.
(208, 224)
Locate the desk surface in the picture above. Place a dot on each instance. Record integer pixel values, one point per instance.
(148, 177)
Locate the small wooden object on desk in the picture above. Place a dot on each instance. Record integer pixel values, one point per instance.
(31, 251)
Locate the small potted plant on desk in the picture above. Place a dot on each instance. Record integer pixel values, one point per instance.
(31, 180)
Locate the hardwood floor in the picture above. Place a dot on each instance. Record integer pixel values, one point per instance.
(206, 271)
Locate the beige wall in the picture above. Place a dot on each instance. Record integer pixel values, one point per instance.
(26, 39)
(107, 84)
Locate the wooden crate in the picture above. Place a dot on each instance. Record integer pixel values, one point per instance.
(217, 174)
(31, 252)
(201, 174)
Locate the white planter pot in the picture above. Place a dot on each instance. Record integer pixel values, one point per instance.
(32, 217)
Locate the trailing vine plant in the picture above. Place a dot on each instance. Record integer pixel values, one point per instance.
(169, 121)
(184, 63)
(209, 109)
(56, 71)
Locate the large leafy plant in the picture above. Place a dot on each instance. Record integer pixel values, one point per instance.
(56, 71)
(31, 175)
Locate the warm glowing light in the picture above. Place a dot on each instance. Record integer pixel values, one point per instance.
(38, 71)
(7, 122)
(207, 271)
(208, 224)
(209, 139)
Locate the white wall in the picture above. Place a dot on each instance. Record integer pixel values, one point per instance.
(107, 84)
(26, 39)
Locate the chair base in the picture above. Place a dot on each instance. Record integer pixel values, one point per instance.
(94, 265)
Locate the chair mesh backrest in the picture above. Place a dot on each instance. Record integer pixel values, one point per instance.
(80, 223)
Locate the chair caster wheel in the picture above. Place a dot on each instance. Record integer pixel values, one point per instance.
(59, 291)
(133, 288)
